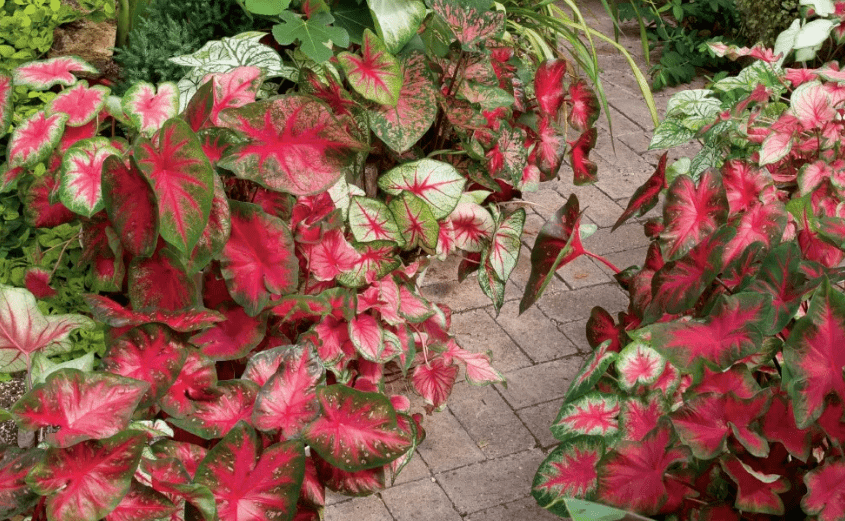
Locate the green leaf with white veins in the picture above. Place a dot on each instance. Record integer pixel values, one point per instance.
(314, 34)
(397, 21)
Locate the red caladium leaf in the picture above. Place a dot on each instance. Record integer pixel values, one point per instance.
(229, 402)
(632, 475)
(288, 401)
(73, 135)
(548, 155)
(160, 283)
(371, 220)
(402, 125)
(638, 364)
(692, 212)
(583, 170)
(25, 330)
(812, 105)
(775, 147)
(332, 256)
(15, 495)
(738, 380)
(646, 196)
(258, 260)
(89, 479)
(434, 380)
(9, 177)
(216, 233)
(357, 483)
(568, 471)
(367, 336)
(356, 430)
(6, 108)
(151, 354)
(37, 281)
(756, 492)
(80, 102)
(763, 223)
(195, 381)
(639, 417)
(743, 184)
(34, 138)
(814, 356)
(593, 414)
(375, 74)
(416, 223)
(594, 367)
(585, 106)
(824, 490)
(548, 86)
(41, 75)
(148, 109)
(234, 89)
(131, 206)
(780, 277)
(435, 182)
(730, 333)
(142, 503)
(779, 425)
(182, 180)
(251, 482)
(168, 475)
(471, 26)
(82, 165)
(234, 337)
(82, 405)
(110, 312)
(473, 226)
(188, 454)
(296, 145)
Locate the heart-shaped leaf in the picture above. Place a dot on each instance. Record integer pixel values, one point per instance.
(131, 206)
(80, 102)
(41, 75)
(435, 182)
(371, 220)
(375, 74)
(148, 108)
(692, 212)
(82, 167)
(568, 471)
(222, 407)
(16, 495)
(34, 138)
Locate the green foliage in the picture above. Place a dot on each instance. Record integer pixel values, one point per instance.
(681, 28)
(762, 20)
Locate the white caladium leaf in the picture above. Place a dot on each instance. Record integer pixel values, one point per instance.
(148, 108)
(225, 55)
(473, 226)
(34, 139)
(81, 181)
(41, 75)
(25, 330)
(81, 103)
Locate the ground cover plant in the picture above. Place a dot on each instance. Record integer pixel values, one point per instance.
(254, 257)
(719, 393)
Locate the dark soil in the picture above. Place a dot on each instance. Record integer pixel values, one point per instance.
(9, 393)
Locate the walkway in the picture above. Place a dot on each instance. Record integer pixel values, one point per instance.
(479, 458)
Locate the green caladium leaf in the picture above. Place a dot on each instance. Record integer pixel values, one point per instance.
(504, 250)
(435, 182)
(591, 371)
(415, 221)
(315, 34)
(397, 21)
(375, 74)
(472, 24)
(580, 510)
(16, 496)
(371, 220)
(81, 178)
(266, 7)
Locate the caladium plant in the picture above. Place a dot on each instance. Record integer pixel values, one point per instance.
(718, 393)
(257, 255)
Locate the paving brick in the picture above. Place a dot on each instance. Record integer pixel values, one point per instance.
(538, 418)
(447, 445)
(522, 510)
(489, 421)
(617, 179)
(477, 331)
(575, 305)
(628, 236)
(368, 508)
(540, 383)
(419, 501)
(595, 204)
(544, 202)
(584, 272)
(521, 273)
(493, 482)
(632, 257)
(576, 332)
(538, 336)
(413, 471)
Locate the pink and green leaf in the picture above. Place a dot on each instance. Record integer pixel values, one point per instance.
(356, 430)
(638, 364)
(570, 470)
(470, 25)
(593, 368)
(585, 106)
(113, 314)
(473, 225)
(479, 369)
(415, 221)
(15, 495)
(646, 196)
(234, 337)
(131, 206)
(6, 108)
(825, 485)
(505, 247)
(34, 138)
(593, 414)
(81, 176)
(756, 492)
(227, 403)
(81, 103)
(375, 74)
(435, 182)
(549, 86)
(42, 75)
(434, 380)
(779, 425)
(371, 220)
(638, 416)
(234, 89)
(147, 108)
(583, 170)
(351, 483)
(692, 212)
(143, 503)
(195, 383)
(43, 210)
(161, 283)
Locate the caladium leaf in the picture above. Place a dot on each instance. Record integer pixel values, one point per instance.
(594, 367)
(6, 108)
(228, 403)
(16, 496)
(730, 333)
(435, 182)
(296, 145)
(110, 312)
(160, 282)
(593, 414)
(402, 125)
(815, 361)
(356, 430)
(434, 380)
(80, 102)
(34, 138)
(234, 337)
(258, 260)
(638, 417)
(42, 367)
(287, 402)
(234, 89)
(375, 74)
(182, 180)
(216, 233)
(358, 483)
(82, 166)
(763, 223)
(195, 381)
(142, 503)
(647, 195)
(754, 494)
(332, 256)
(548, 86)
(473, 226)
(824, 489)
(89, 479)
(692, 212)
(148, 108)
(743, 184)
(42, 75)
(82, 405)
(779, 276)
(371, 220)
(168, 475)
(471, 25)
(507, 159)
(397, 21)
(25, 330)
(479, 370)
(150, 353)
(585, 106)
(779, 425)
(568, 471)
(41, 203)
(505, 247)
(638, 364)
(415, 222)
(632, 475)
(131, 206)
(250, 481)
(583, 170)
(367, 336)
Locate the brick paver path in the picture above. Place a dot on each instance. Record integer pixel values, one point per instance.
(479, 458)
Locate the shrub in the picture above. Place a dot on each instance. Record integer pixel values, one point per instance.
(719, 393)
(762, 20)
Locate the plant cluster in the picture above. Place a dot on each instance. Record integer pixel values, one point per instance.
(719, 393)
(815, 37)
(255, 262)
(682, 28)
(762, 20)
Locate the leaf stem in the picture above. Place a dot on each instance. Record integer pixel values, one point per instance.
(603, 260)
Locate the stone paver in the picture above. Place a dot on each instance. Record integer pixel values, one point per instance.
(482, 450)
